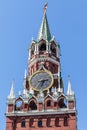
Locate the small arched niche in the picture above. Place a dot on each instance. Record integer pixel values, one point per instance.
(32, 105)
(18, 104)
(40, 123)
(48, 103)
(62, 103)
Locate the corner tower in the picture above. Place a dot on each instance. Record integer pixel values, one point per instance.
(43, 104)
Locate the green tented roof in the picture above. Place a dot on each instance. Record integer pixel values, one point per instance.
(44, 32)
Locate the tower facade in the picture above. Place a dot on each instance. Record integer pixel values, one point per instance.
(43, 104)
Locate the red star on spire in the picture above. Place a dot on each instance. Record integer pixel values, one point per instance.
(45, 7)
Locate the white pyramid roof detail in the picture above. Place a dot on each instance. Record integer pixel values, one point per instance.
(12, 95)
(69, 91)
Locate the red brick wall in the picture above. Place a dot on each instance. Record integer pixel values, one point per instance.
(10, 108)
(34, 123)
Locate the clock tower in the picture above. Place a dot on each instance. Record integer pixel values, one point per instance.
(43, 104)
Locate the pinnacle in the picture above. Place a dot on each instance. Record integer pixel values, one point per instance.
(44, 32)
(69, 91)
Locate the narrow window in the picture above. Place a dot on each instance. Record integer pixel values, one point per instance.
(25, 105)
(65, 121)
(48, 103)
(40, 123)
(23, 123)
(18, 105)
(33, 106)
(55, 104)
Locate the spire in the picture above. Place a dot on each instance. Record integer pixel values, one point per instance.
(44, 29)
(69, 91)
(12, 95)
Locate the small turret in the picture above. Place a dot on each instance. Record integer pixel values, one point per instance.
(70, 96)
(11, 99)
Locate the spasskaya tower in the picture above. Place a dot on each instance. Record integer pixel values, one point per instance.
(43, 104)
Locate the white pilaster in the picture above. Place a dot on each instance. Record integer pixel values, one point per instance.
(59, 78)
(37, 49)
(49, 48)
(29, 56)
(57, 51)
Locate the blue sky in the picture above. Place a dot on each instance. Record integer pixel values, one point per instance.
(20, 21)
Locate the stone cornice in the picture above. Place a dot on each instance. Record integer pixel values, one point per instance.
(42, 60)
(44, 112)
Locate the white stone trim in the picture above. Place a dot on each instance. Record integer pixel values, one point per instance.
(42, 60)
(36, 112)
(29, 54)
(35, 51)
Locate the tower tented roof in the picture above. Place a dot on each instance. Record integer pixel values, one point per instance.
(44, 32)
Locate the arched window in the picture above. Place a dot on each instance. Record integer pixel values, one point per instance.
(23, 124)
(48, 103)
(53, 48)
(43, 47)
(40, 123)
(32, 105)
(65, 121)
(62, 103)
(18, 105)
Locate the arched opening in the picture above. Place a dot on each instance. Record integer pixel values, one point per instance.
(32, 106)
(40, 123)
(18, 105)
(23, 123)
(48, 103)
(62, 103)
(53, 49)
(42, 47)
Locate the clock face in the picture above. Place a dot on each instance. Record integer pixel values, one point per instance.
(41, 80)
